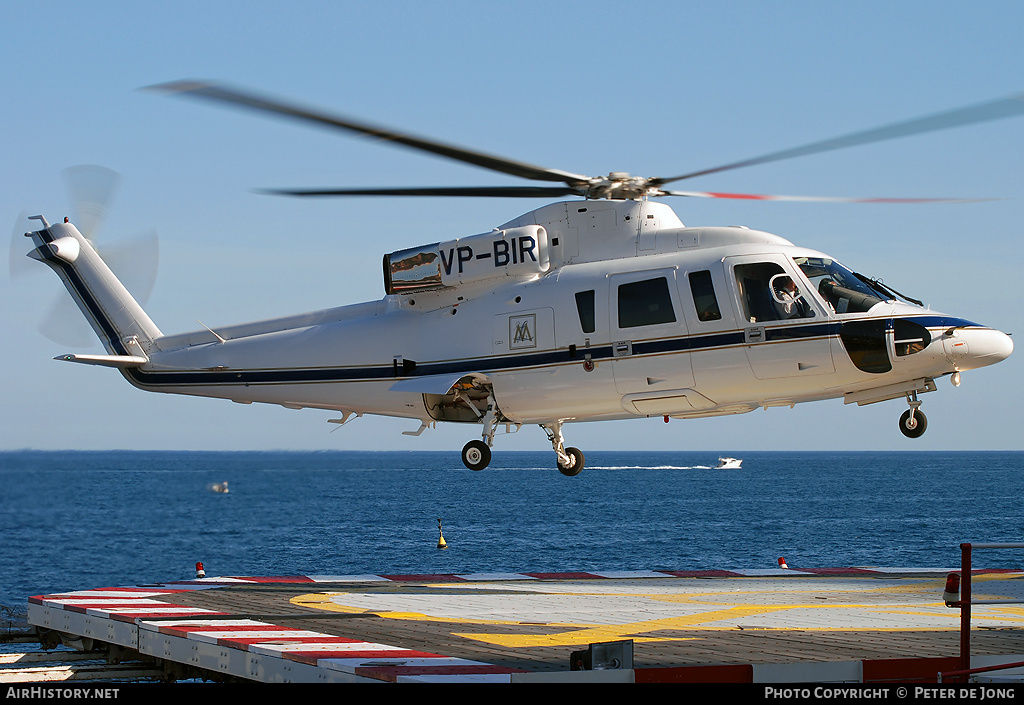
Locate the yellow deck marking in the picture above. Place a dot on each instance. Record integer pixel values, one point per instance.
(718, 610)
(584, 633)
(611, 632)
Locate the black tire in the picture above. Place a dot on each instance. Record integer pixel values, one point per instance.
(576, 465)
(915, 428)
(476, 455)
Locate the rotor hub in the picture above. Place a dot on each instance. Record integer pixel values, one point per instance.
(620, 185)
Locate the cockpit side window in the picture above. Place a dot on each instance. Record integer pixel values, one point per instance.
(585, 308)
(768, 293)
(704, 298)
(843, 290)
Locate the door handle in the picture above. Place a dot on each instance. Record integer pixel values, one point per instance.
(754, 335)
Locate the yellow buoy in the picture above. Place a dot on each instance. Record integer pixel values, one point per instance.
(440, 541)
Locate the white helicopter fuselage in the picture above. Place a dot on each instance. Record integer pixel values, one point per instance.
(577, 311)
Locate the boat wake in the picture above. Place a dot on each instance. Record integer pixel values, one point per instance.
(650, 467)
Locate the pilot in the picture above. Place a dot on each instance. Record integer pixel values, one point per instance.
(788, 301)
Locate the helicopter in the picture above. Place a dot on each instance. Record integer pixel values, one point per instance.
(604, 307)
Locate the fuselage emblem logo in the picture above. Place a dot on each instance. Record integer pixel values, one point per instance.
(522, 331)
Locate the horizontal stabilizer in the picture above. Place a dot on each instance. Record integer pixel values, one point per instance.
(120, 361)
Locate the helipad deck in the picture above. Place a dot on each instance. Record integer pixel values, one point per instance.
(764, 626)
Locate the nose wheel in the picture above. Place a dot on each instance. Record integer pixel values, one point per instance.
(913, 422)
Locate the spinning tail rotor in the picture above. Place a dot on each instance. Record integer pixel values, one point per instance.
(134, 260)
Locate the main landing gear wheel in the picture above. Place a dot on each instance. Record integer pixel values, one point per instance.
(476, 455)
(575, 466)
(913, 423)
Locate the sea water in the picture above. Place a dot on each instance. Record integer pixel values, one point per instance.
(78, 520)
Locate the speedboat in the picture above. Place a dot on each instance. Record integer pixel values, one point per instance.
(728, 464)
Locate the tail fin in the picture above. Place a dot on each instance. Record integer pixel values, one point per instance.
(116, 317)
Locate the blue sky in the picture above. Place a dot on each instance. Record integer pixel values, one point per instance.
(589, 87)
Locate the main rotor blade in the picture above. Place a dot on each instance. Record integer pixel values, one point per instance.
(992, 110)
(816, 199)
(224, 94)
(499, 191)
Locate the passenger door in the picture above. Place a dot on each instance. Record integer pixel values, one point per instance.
(649, 345)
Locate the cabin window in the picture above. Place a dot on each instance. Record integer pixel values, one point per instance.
(645, 303)
(585, 307)
(704, 296)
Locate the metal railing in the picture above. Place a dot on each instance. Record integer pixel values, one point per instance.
(965, 602)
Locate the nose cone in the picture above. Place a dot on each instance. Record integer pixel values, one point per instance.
(970, 348)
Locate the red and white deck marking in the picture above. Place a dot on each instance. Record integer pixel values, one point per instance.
(241, 647)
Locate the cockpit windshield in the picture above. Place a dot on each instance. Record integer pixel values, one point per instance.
(842, 289)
